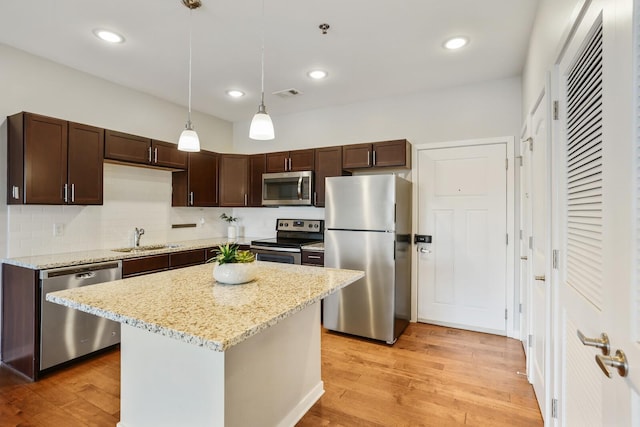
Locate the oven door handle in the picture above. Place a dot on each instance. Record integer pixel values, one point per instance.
(300, 188)
(272, 249)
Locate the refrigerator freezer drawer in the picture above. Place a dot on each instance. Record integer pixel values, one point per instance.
(366, 307)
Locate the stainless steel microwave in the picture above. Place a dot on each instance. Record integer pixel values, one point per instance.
(287, 189)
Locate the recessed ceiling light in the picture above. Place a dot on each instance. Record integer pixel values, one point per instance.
(108, 36)
(317, 74)
(235, 93)
(456, 43)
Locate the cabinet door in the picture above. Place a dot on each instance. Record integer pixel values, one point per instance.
(257, 166)
(302, 160)
(144, 265)
(203, 179)
(45, 159)
(392, 153)
(234, 177)
(328, 163)
(167, 155)
(356, 156)
(85, 158)
(127, 148)
(277, 162)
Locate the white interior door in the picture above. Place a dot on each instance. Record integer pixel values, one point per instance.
(462, 205)
(525, 234)
(595, 222)
(539, 294)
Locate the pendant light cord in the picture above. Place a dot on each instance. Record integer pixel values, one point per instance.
(190, 39)
(262, 61)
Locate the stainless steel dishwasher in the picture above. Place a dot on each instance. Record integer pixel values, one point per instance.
(65, 333)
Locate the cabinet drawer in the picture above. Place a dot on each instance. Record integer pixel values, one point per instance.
(187, 258)
(149, 264)
(313, 258)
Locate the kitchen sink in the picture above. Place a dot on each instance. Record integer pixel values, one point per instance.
(146, 248)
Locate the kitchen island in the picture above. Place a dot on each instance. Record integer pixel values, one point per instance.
(198, 353)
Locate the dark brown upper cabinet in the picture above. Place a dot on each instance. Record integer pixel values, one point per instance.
(234, 180)
(241, 180)
(257, 166)
(123, 147)
(198, 185)
(328, 163)
(396, 153)
(290, 161)
(53, 162)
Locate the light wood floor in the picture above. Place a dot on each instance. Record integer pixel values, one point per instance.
(433, 376)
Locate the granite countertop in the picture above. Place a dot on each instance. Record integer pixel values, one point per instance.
(189, 305)
(39, 262)
(315, 247)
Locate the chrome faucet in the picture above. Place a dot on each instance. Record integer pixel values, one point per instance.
(136, 237)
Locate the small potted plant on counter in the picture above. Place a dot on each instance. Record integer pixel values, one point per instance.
(233, 266)
(232, 231)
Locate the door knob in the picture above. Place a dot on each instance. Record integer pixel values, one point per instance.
(424, 251)
(541, 278)
(524, 258)
(619, 361)
(602, 343)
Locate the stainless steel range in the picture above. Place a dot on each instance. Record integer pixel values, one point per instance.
(291, 234)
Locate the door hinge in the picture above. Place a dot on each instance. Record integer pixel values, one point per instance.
(519, 159)
(506, 164)
(506, 312)
(521, 234)
(530, 242)
(554, 408)
(555, 257)
(507, 238)
(556, 110)
(520, 308)
(530, 341)
(530, 144)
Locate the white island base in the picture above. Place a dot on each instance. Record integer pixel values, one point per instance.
(269, 379)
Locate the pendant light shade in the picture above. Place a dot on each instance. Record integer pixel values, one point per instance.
(261, 126)
(189, 140)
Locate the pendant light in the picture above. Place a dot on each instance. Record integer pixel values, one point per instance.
(189, 140)
(261, 125)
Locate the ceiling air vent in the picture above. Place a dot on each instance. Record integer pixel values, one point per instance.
(287, 93)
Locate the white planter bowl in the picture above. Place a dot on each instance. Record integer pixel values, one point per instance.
(234, 273)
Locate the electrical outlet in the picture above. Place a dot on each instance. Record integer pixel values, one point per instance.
(58, 230)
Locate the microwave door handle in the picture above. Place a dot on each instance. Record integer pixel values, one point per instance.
(300, 188)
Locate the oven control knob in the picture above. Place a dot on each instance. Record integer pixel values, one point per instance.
(316, 226)
(310, 226)
(281, 224)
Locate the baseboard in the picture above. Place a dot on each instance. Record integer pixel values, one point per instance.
(296, 414)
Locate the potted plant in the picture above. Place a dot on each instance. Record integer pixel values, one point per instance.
(233, 266)
(232, 231)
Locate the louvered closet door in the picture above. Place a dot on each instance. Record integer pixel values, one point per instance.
(593, 164)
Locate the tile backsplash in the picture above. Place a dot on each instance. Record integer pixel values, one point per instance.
(133, 197)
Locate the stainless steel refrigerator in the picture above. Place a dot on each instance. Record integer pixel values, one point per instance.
(367, 227)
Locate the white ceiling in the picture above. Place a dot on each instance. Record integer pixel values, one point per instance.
(374, 48)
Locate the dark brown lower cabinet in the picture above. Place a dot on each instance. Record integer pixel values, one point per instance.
(314, 258)
(187, 258)
(144, 265)
(20, 319)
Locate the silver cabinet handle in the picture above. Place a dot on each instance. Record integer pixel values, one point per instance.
(285, 164)
(73, 193)
(66, 193)
(149, 154)
(374, 157)
(155, 155)
(540, 278)
(16, 192)
(619, 362)
(315, 197)
(602, 343)
(313, 257)
(368, 158)
(245, 199)
(524, 258)
(191, 198)
(289, 164)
